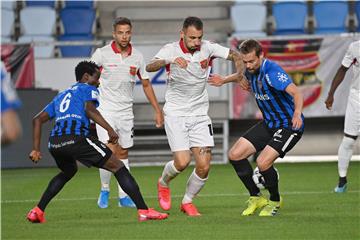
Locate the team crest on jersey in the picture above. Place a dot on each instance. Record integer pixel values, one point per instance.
(204, 63)
(132, 70)
(282, 77)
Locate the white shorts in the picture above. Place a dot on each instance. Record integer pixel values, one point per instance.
(352, 115)
(184, 133)
(123, 126)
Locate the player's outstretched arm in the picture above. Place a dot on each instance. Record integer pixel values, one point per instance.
(218, 80)
(95, 115)
(339, 77)
(149, 92)
(41, 118)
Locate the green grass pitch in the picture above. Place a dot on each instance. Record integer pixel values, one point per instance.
(311, 210)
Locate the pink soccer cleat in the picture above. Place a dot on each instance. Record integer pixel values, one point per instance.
(190, 210)
(164, 197)
(150, 214)
(36, 215)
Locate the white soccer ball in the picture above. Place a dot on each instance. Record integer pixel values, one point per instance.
(259, 179)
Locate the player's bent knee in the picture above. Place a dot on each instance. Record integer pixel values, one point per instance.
(235, 155)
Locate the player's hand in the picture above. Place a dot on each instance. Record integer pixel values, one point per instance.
(244, 85)
(113, 137)
(216, 80)
(297, 121)
(329, 102)
(159, 119)
(35, 156)
(181, 62)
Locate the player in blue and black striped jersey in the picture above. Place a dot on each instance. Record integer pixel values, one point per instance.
(280, 102)
(70, 141)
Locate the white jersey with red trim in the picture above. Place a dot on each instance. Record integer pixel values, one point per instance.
(186, 93)
(352, 58)
(118, 77)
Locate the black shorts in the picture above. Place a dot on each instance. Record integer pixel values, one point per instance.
(87, 150)
(282, 139)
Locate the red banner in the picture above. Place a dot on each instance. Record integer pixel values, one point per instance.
(19, 61)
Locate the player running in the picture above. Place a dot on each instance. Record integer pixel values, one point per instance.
(70, 142)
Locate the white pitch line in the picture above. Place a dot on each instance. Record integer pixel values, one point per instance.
(180, 196)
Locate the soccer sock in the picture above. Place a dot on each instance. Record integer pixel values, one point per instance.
(122, 194)
(271, 183)
(193, 187)
(105, 176)
(344, 155)
(53, 188)
(169, 173)
(245, 172)
(342, 181)
(129, 185)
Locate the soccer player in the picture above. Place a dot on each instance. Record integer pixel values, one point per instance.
(121, 63)
(187, 124)
(280, 102)
(10, 123)
(352, 116)
(70, 141)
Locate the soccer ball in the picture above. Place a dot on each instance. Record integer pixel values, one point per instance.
(259, 179)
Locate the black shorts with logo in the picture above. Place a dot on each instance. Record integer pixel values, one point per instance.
(281, 139)
(87, 150)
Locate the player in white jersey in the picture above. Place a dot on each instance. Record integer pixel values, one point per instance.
(120, 64)
(352, 115)
(187, 124)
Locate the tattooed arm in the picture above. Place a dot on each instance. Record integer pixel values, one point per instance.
(218, 80)
(155, 65)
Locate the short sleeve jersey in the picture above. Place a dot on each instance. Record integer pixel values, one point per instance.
(352, 58)
(118, 77)
(186, 93)
(268, 86)
(68, 109)
(9, 98)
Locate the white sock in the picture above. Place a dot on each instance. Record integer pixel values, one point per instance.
(193, 187)
(169, 173)
(123, 194)
(344, 155)
(105, 177)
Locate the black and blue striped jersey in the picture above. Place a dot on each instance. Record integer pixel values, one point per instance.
(68, 109)
(268, 86)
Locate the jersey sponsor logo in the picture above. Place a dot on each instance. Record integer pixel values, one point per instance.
(132, 70)
(262, 97)
(68, 116)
